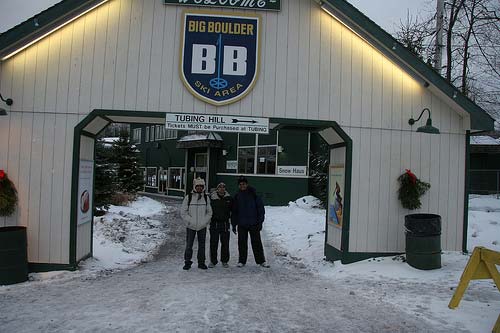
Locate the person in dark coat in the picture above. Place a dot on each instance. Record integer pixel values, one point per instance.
(219, 225)
(247, 218)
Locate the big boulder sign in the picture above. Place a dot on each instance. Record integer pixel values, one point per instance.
(239, 4)
(220, 56)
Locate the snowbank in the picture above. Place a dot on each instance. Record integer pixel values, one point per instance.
(298, 234)
(124, 237)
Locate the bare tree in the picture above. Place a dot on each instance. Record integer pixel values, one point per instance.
(472, 47)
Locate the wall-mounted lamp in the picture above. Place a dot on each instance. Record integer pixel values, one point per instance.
(280, 149)
(224, 152)
(428, 128)
(7, 101)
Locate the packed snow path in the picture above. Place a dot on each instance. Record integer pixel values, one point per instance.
(159, 297)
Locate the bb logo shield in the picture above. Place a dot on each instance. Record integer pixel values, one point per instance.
(220, 56)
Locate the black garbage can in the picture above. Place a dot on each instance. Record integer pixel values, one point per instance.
(13, 255)
(423, 241)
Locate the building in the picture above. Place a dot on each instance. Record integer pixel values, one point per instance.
(484, 165)
(290, 71)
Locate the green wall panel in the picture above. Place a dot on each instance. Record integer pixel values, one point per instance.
(274, 191)
(269, 139)
(247, 140)
(295, 146)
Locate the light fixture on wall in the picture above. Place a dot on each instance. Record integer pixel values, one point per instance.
(428, 128)
(280, 149)
(224, 152)
(7, 101)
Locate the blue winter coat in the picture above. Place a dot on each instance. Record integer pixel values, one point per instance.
(248, 209)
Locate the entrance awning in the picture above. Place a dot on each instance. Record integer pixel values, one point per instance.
(200, 140)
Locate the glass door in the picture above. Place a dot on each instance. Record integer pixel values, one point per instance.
(201, 166)
(163, 183)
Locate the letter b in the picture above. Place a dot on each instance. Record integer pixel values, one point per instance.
(235, 60)
(203, 59)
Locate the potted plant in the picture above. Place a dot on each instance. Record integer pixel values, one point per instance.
(13, 244)
(423, 231)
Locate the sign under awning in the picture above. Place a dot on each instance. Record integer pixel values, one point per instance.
(216, 123)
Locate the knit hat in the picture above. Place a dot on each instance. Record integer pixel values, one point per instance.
(221, 185)
(198, 181)
(242, 179)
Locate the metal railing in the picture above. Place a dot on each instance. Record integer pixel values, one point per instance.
(485, 181)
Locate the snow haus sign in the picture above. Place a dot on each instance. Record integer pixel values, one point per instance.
(219, 56)
(239, 4)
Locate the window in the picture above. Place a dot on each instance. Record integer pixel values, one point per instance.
(152, 134)
(246, 160)
(143, 174)
(266, 160)
(176, 178)
(170, 134)
(160, 132)
(151, 177)
(136, 135)
(146, 138)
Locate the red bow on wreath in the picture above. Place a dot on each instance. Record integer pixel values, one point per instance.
(411, 175)
(2, 174)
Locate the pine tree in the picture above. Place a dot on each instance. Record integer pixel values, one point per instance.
(129, 177)
(104, 177)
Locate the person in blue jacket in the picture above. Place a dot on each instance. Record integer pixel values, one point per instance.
(247, 217)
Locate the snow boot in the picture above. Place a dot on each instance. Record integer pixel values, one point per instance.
(187, 266)
(202, 266)
(225, 265)
(211, 265)
(240, 264)
(265, 265)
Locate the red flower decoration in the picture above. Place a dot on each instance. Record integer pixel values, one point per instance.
(411, 175)
(2, 174)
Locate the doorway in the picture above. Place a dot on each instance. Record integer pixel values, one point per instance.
(201, 166)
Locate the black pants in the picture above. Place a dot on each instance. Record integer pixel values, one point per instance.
(190, 234)
(258, 250)
(215, 236)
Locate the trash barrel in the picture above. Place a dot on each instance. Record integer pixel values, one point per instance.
(13, 255)
(423, 241)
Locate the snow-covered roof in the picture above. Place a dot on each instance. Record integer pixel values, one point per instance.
(484, 140)
(202, 136)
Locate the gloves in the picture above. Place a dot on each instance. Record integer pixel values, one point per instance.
(234, 229)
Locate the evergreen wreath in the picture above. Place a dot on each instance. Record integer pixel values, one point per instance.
(411, 189)
(8, 195)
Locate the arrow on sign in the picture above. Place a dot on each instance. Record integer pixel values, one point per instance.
(244, 121)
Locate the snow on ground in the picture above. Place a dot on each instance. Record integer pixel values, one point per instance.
(298, 235)
(123, 238)
(484, 222)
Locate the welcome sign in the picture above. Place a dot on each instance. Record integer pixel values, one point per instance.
(219, 56)
(238, 4)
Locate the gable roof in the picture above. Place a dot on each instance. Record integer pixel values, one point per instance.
(66, 10)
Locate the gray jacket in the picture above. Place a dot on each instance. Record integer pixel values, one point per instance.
(198, 213)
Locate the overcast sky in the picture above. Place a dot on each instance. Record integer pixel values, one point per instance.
(387, 13)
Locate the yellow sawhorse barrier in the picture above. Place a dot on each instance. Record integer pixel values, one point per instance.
(481, 266)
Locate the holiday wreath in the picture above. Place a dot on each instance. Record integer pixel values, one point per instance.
(8, 195)
(411, 189)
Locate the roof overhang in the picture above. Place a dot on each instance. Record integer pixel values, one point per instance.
(43, 24)
(373, 34)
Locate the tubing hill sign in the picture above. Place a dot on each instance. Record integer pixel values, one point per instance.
(238, 4)
(219, 56)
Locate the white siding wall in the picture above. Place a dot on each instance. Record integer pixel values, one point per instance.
(125, 55)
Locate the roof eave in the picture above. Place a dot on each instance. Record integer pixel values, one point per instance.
(410, 62)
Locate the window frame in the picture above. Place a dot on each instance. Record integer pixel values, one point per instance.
(156, 178)
(146, 139)
(183, 180)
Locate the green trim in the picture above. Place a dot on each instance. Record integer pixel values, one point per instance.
(45, 267)
(333, 254)
(389, 46)
(74, 194)
(42, 23)
(466, 192)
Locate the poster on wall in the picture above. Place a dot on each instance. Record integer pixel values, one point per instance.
(336, 195)
(85, 191)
